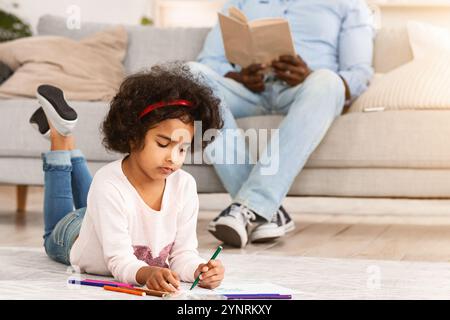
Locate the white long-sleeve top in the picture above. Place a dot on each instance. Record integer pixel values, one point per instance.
(120, 233)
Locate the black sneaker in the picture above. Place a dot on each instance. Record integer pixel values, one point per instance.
(231, 225)
(280, 224)
(39, 121)
(58, 112)
(5, 72)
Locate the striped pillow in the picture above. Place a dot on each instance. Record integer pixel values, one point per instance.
(419, 84)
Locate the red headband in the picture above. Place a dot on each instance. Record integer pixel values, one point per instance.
(160, 104)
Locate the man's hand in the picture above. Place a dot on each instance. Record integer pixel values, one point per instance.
(212, 276)
(252, 77)
(291, 69)
(160, 279)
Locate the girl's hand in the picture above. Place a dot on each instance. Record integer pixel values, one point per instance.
(162, 279)
(212, 274)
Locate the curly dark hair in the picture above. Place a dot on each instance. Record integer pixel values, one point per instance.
(123, 129)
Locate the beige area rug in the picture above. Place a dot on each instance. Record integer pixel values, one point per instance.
(27, 273)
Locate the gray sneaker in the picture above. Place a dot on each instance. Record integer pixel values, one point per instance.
(231, 225)
(280, 224)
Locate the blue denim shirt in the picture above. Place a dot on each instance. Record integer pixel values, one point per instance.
(331, 34)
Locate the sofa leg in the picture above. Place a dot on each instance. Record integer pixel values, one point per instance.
(21, 199)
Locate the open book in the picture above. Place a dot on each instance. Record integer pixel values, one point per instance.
(258, 41)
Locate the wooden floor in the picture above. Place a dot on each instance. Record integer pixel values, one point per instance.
(386, 229)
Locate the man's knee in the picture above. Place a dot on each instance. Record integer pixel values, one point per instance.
(324, 79)
(325, 90)
(328, 84)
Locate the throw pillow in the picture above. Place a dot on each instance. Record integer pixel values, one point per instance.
(420, 84)
(89, 69)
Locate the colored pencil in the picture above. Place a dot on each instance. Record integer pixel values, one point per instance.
(113, 283)
(214, 256)
(125, 290)
(89, 283)
(154, 293)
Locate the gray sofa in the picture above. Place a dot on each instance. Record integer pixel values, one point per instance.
(380, 154)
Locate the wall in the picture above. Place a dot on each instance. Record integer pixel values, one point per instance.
(186, 13)
(112, 11)
(195, 13)
(397, 14)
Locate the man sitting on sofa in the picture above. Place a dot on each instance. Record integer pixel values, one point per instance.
(333, 40)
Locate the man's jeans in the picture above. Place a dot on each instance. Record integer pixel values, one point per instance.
(309, 110)
(67, 181)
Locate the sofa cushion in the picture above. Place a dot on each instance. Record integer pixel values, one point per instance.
(391, 49)
(427, 39)
(25, 141)
(146, 45)
(396, 139)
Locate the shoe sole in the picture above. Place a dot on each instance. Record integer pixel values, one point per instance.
(268, 235)
(289, 226)
(58, 112)
(227, 235)
(39, 121)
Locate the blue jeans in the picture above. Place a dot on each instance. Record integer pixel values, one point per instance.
(67, 181)
(309, 110)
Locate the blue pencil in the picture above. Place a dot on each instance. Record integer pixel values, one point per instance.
(89, 283)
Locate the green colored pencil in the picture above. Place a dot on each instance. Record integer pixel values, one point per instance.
(219, 248)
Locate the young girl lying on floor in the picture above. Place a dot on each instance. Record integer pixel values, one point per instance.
(138, 221)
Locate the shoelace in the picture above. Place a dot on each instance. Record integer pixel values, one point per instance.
(279, 217)
(276, 217)
(247, 214)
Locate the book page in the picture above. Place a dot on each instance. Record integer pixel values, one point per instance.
(236, 40)
(271, 41)
(237, 14)
(265, 22)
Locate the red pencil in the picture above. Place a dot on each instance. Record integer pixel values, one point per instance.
(125, 290)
